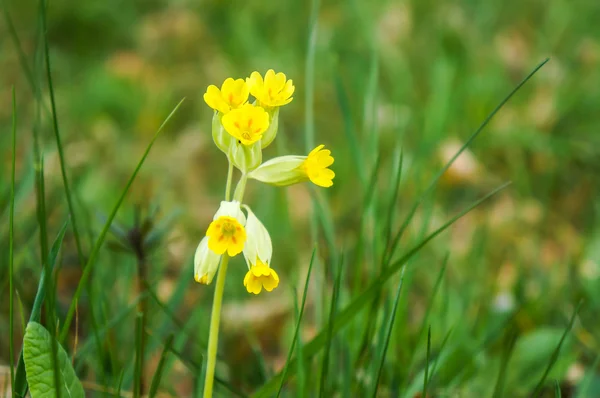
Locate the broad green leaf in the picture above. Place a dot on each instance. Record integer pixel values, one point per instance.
(37, 351)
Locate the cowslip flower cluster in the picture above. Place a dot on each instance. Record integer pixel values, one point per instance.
(241, 129)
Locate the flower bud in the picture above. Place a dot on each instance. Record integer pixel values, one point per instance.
(221, 138)
(206, 263)
(245, 157)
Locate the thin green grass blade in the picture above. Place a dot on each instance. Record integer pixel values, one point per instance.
(61, 155)
(352, 309)
(389, 215)
(351, 135)
(425, 379)
(20, 386)
(435, 180)
(20, 53)
(309, 99)
(582, 389)
(425, 321)
(499, 388)
(439, 355)
(300, 369)
(538, 388)
(96, 249)
(139, 355)
(557, 392)
(388, 335)
(298, 323)
(120, 384)
(160, 367)
(11, 243)
(332, 313)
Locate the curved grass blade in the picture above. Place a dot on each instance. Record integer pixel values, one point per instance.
(160, 367)
(425, 379)
(332, 311)
(20, 386)
(499, 389)
(396, 240)
(96, 249)
(538, 388)
(388, 335)
(298, 322)
(11, 242)
(365, 297)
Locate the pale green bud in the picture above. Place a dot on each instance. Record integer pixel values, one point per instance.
(281, 171)
(221, 138)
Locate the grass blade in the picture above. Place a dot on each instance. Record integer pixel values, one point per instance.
(160, 367)
(433, 183)
(96, 249)
(557, 392)
(139, 354)
(425, 380)
(20, 386)
(538, 388)
(11, 244)
(583, 387)
(388, 335)
(298, 322)
(499, 389)
(332, 311)
(365, 297)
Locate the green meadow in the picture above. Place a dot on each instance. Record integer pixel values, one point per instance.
(457, 253)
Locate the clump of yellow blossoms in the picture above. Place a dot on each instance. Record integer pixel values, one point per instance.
(241, 129)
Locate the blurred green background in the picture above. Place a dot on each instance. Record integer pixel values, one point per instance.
(373, 79)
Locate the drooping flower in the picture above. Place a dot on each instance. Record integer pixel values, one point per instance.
(288, 170)
(272, 91)
(206, 263)
(227, 233)
(316, 166)
(260, 276)
(247, 123)
(232, 95)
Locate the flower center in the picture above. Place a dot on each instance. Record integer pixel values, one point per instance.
(228, 229)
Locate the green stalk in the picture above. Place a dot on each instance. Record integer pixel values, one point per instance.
(229, 179)
(215, 318)
(11, 247)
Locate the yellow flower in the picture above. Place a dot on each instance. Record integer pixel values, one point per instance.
(247, 124)
(232, 95)
(288, 170)
(261, 275)
(227, 233)
(273, 91)
(316, 167)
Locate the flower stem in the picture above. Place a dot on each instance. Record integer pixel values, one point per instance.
(229, 179)
(240, 188)
(213, 338)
